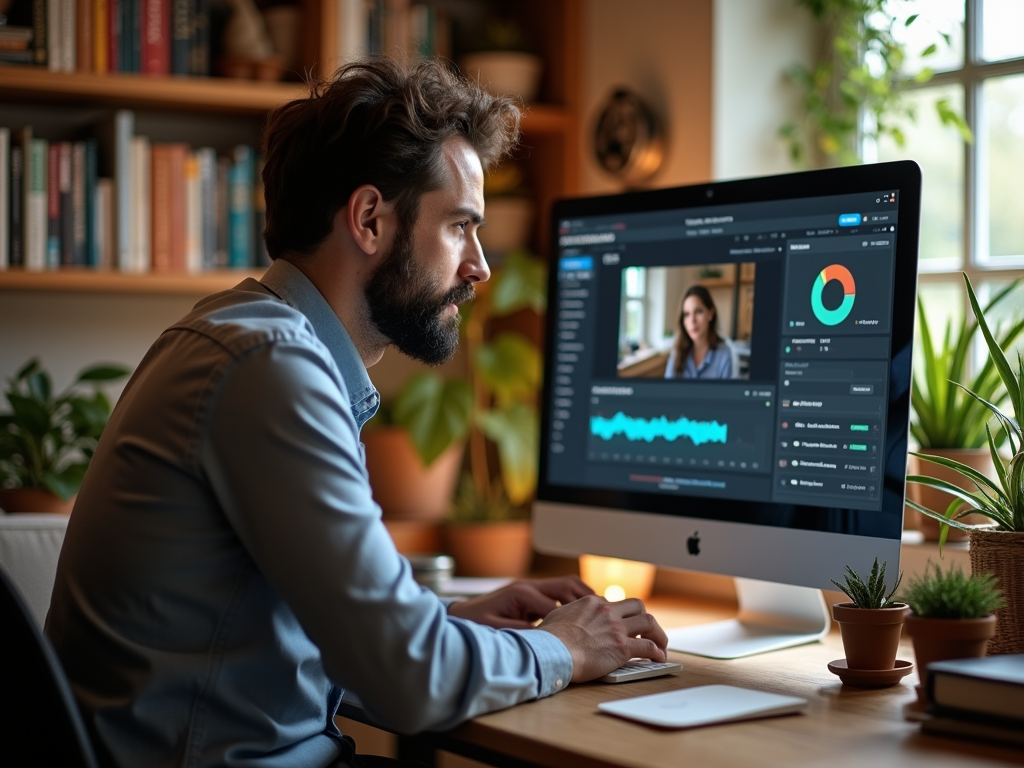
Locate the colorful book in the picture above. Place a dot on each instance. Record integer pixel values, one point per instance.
(193, 216)
(85, 18)
(92, 258)
(207, 160)
(240, 220)
(221, 207)
(200, 38)
(156, 49)
(54, 57)
(68, 37)
(181, 36)
(141, 206)
(53, 206)
(101, 36)
(115, 13)
(36, 212)
(65, 213)
(168, 207)
(115, 138)
(5, 197)
(40, 33)
(104, 224)
(17, 193)
(79, 228)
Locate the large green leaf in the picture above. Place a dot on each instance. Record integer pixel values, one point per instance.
(435, 412)
(521, 283)
(66, 482)
(511, 366)
(102, 373)
(516, 432)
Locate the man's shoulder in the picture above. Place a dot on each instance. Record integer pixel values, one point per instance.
(247, 316)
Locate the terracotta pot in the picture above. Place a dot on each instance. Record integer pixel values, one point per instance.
(490, 549)
(871, 636)
(941, 639)
(1002, 553)
(402, 485)
(934, 499)
(415, 536)
(34, 500)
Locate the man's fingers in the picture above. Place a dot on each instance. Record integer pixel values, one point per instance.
(645, 649)
(532, 601)
(647, 627)
(564, 589)
(631, 606)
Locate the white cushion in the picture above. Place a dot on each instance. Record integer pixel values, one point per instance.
(29, 547)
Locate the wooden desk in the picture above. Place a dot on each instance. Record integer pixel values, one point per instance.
(842, 726)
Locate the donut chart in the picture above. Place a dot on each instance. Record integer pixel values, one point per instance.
(833, 316)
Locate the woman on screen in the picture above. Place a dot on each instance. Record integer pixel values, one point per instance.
(698, 351)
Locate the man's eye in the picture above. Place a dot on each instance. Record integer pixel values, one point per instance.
(462, 225)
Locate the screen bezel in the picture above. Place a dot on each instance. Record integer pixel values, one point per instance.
(903, 177)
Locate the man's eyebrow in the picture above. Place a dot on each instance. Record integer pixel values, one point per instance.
(470, 213)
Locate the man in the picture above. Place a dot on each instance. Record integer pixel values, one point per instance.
(226, 574)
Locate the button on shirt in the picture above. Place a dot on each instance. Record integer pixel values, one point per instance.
(717, 364)
(226, 575)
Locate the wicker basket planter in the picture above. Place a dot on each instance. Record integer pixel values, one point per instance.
(1002, 553)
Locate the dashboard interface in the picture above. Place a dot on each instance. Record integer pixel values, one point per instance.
(741, 353)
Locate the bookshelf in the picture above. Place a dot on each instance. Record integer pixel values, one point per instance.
(548, 151)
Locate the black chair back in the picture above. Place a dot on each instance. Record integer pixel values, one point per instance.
(40, 724)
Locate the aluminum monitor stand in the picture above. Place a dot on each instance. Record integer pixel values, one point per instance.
(771, 617)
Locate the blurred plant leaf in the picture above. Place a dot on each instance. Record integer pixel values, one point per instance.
(516, 432)
(511, 366)
(521, 283)
(435, 412)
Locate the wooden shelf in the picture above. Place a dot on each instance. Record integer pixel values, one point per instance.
(193, 94)
(95, 281)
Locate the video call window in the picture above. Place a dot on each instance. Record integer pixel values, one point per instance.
(686, 322)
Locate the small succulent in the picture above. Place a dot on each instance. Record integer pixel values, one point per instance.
(952, 594)
(872, 594)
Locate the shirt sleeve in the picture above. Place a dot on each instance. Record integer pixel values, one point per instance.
(670, 366)
(282, 454)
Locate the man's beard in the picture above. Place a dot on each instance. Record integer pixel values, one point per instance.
(409, 308)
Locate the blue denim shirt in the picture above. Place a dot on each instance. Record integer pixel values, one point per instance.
(717, 364)
(226, 575)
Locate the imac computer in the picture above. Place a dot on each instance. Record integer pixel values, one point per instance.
(727, 387)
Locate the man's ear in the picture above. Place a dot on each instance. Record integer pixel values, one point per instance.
(368, 219)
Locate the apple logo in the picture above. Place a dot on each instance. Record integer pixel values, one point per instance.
(693, 544)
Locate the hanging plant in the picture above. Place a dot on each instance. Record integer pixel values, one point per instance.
(858, 91)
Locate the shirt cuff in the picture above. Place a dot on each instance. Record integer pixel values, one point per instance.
(554, 662)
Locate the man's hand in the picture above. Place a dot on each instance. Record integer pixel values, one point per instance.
(602, 636)
(520, 604)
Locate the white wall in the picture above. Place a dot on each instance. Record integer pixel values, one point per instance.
(755, 43)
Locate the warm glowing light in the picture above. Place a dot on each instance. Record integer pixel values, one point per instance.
(614, 593)
(627, 578)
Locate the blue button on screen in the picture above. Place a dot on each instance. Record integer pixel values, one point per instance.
(849, 219)
(576, 264)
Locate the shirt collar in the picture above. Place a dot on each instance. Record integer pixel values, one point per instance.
(288, 282)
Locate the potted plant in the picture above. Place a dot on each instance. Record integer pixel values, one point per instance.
(509, 212)
(870, 624)
(503, 63)
(952, 614)
(948, 422)
(489, 517)
(47, 440)
(997, 548)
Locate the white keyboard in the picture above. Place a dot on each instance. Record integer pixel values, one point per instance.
(638, 669)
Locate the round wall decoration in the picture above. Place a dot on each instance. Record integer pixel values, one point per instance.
(628, 141)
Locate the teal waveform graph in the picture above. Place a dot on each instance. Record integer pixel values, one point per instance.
(649, 430)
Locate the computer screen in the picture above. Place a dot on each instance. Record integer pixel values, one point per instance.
(728, 373)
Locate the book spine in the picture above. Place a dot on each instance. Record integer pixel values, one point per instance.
(181, 36)
(141, 227)
(91, 164)
(65, 212)
(105, 224)
(40, 36)
(115, 12)
(52, 207)
(101, 36)
(161, 215)
(135, 34)
(36, 213)
(54, 57)
(200, 38)
(17, 256)
(124, 37)
(156, 50)
(5, 194)
(207, 158)
(67, 35)
(79, 229)
(193, 216)
(84, 16)
(124, 127)
(240, 250)
(223, 172)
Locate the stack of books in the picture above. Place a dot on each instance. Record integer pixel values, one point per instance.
(979, 699)
(118, 201)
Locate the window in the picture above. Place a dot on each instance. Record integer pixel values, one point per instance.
(972, 217)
